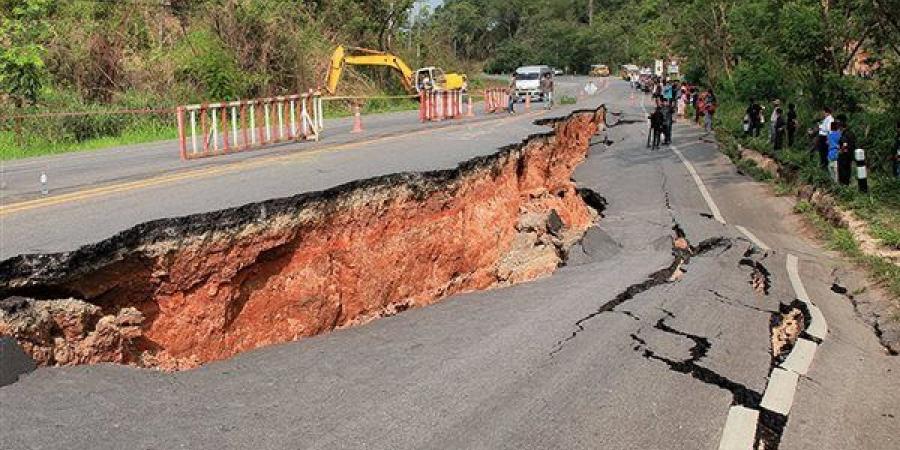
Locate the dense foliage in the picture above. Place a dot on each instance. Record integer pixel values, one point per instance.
(84, 54)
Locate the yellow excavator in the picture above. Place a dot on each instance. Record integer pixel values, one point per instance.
(414, 81)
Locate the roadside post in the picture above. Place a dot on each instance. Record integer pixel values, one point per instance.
(182, 143)
(861, 170)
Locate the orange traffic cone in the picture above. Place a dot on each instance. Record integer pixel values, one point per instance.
(357, 120)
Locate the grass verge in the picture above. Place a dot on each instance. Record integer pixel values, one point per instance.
(841, 240)
(880, 208)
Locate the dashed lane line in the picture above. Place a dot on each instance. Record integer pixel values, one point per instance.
(801, 357)
(818, 327)
(702, 187)
(794, 275)
(755, 240)
(740, 429)
(779, 396)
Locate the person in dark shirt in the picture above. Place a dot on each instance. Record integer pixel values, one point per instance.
(656, 125)
(792, 124)
(846, 150)
(668, 117)
(778, 127)
(754, 113)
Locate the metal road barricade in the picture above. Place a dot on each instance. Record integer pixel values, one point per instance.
(495, 100)
(435, 105)
(211, 129)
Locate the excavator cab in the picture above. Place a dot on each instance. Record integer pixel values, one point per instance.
(429, 78)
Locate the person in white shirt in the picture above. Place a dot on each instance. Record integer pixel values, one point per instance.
(776, 104)
(822, 138)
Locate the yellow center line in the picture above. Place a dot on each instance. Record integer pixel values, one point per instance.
(232, 167)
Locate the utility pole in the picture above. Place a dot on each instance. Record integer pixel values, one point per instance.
(590, 12)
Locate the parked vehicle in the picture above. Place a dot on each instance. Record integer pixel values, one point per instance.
(528, 81)
(599, 70)
(627, 70)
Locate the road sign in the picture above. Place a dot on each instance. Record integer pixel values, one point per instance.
(590, 88)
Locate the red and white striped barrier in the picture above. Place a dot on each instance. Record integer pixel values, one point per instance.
(211, 129)
(440, 105)
(495, 100)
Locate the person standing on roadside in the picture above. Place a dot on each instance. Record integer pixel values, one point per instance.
(779, 126)
(822, 138)
(846, 148)
(709, 111)
(656, 125)
(775, 106)
(668, 117)
(754, 113)
(791, 124)
(511, 93)
(547, 90)
(834, 145)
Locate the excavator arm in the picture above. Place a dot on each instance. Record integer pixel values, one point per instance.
(365, 57)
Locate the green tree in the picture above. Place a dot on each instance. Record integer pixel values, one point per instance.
(22, 68)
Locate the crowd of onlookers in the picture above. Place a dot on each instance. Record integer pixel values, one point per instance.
(833, 139)
(672, 99)
(834, 142)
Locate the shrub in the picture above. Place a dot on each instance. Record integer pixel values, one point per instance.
(759, 79)
(203, 60)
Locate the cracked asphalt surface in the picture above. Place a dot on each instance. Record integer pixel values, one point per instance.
(606, 353)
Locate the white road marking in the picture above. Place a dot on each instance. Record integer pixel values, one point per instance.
(801, 356)
(794, 275)
(779, 394)
(702, 187)
(817, 327)
(755, 240)
(740, 429)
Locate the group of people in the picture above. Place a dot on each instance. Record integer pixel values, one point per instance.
(833, 140)
(672, 99)
(781, 125)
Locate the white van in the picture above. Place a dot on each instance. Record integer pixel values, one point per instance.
(528, 81)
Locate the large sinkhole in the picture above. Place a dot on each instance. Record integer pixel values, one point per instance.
(176, 293)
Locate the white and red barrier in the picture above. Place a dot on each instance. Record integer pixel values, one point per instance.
(495, 100)
(211, 129)
(438, 105)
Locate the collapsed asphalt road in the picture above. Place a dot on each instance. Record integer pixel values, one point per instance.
(634, 344)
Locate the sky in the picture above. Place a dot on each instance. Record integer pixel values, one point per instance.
(430, 3)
